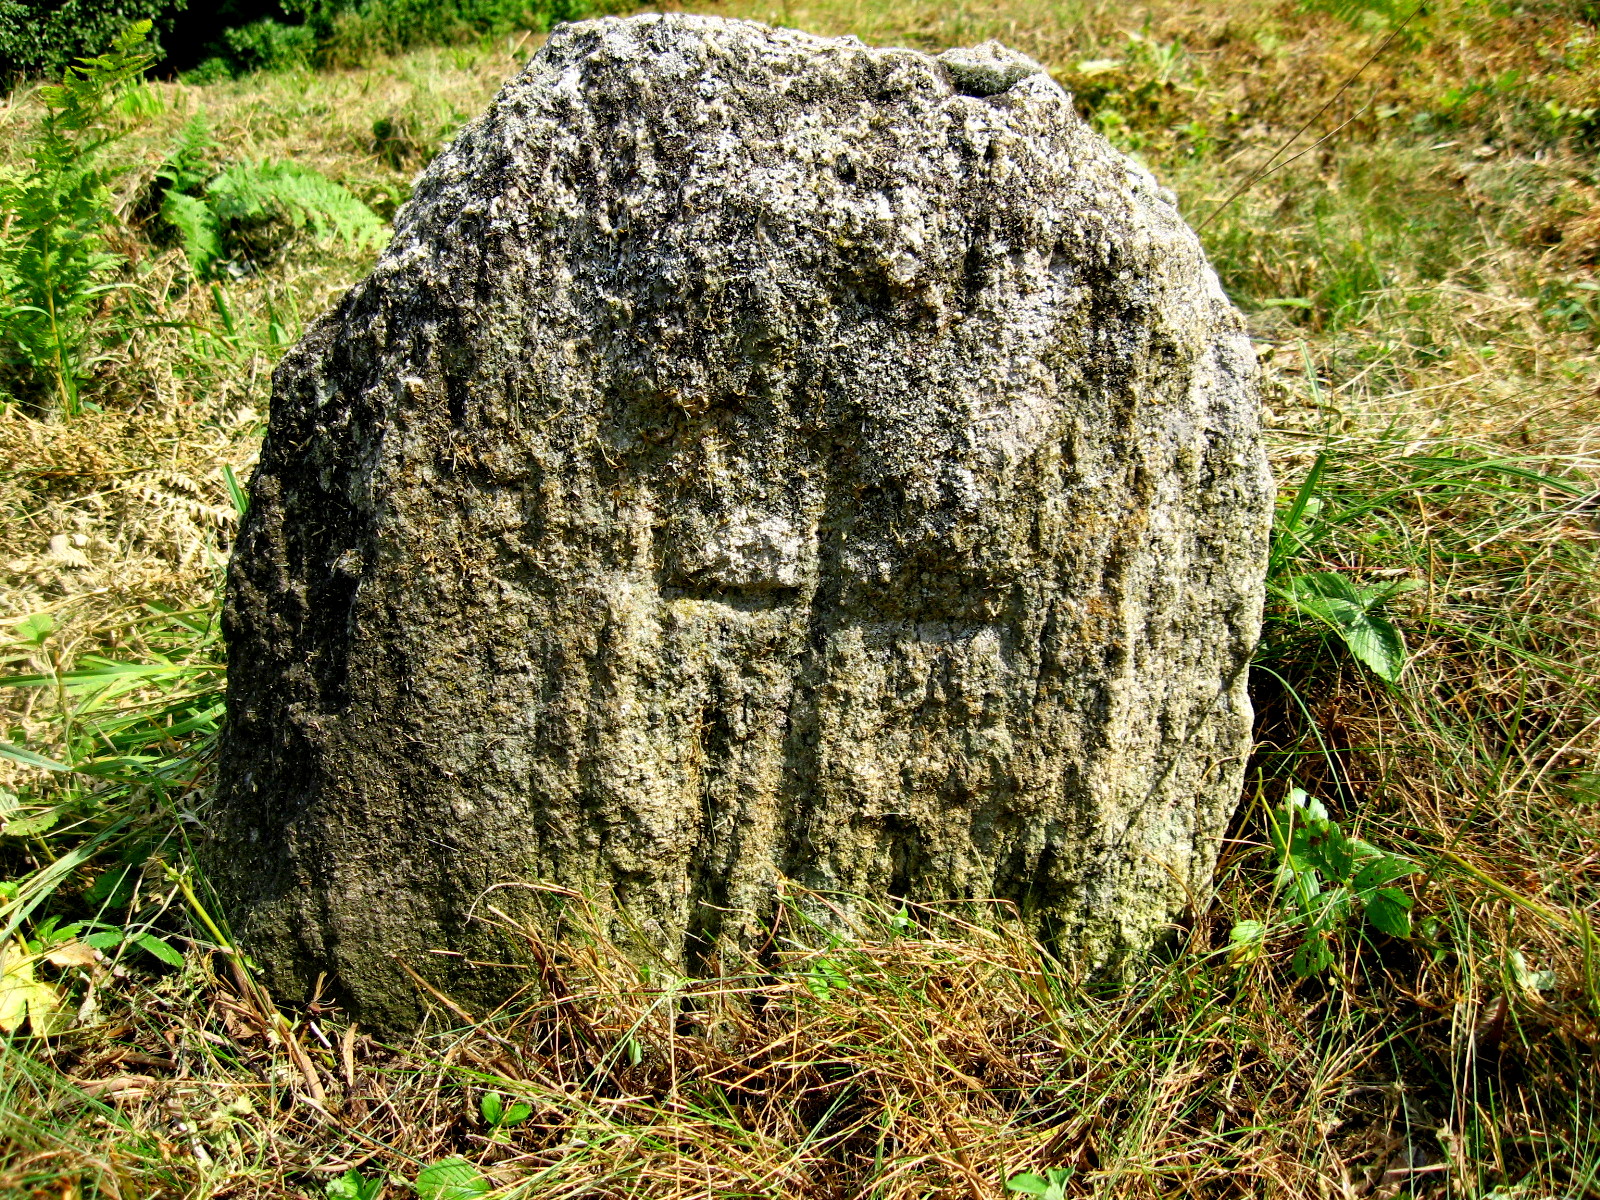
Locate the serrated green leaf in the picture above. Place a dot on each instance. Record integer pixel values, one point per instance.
(1329, 587)
(188, 164)
(353, 1185)
(1376, 643)
(197, 228)
(1312, 958)
(306, 198)
(1382, 869)
(1389, 910)
(33, 825)
(452, 1179)
(1348, 610)
(1324, 847)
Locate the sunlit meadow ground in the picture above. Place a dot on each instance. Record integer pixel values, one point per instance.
(1420, 279)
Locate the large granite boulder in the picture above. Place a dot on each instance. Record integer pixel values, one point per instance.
(757, 456)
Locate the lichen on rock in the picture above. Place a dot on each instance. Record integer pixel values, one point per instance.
(756, 457)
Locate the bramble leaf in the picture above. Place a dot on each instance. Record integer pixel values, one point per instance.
(1350, 611)
(451, 1179)
(1389, 910)
(1382, 869)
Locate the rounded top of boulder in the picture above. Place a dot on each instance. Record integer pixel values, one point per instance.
(983, 70)
(706, 209)
(695, 77)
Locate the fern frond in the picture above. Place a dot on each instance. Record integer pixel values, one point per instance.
(305, 198)
(53, 258)
(197, 229)
(90, 87)
(187, 166)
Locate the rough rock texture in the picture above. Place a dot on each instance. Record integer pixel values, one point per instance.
(756, 456)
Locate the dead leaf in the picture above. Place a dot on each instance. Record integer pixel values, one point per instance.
(72, 954)
(23, 997)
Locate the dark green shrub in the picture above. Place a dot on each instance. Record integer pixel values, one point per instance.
(211, 41)
(268, 45)
(40, 37)
(351, 31)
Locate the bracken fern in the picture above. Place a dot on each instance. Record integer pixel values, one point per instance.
(214, 215)
(54, 264)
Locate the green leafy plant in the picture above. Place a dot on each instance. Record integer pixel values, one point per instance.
(350, 31)
(54, 265)
(268, 45)
(173, 194)
(1571, 306)
(353, 1185)
(43, 36)
(246, 210)
(451, 1179)
(1052, 1185)
(1351, 611)
(825, 978)
(1565, 121)
(1328, 879)
(498, 1115)
(303, 197)
(50, 934)
(132, 738)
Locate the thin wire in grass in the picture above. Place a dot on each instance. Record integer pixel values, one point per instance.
(1267, 168)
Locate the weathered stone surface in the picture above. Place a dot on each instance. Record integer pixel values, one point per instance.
(756, 455)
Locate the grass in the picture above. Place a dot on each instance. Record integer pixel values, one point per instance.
(1421, 288)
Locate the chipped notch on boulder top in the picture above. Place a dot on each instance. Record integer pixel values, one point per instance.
(988, 69)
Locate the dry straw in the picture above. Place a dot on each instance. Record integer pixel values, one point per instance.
(1421, 290)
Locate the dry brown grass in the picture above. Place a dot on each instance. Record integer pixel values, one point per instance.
(933, 1054)
(104, 513)
(1417, 286)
